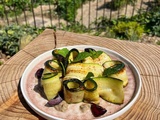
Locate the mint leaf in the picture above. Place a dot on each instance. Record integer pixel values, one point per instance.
(62, 52)
(95, 54)
(81, 56)
(113, 69)
(89, 75)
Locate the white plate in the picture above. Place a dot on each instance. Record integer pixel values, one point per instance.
(37, 103)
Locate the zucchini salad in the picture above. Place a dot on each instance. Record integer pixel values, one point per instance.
(82, 76)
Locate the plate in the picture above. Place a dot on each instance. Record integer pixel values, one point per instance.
(29, 90)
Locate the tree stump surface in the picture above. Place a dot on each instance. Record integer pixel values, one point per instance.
(146, 58)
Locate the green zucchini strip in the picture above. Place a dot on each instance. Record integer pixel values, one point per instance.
(48, 75)
(118, 66)
(52, 65)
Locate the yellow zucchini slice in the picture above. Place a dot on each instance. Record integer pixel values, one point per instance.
(51, 85)
(122, 74)
(88, 60)
(102, 58)
(91, 94)
(73, 90)
(80, 70)
(110, 89)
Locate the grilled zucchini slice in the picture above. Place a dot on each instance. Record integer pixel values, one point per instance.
(110, 89)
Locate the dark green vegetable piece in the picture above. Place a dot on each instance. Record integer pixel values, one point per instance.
(59, 57)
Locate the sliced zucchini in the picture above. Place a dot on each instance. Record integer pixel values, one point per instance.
(116, 70)
(80, 70)
(102, 59)
(108, 64)
(52, 66)
(73, 53)
(88, 60)
(60, 55)
(91, 94)
(122, 75)
(110, 89)
(51, 84)
(73, 90)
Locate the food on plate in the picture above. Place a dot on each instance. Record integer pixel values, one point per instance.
(73, 90)
(50, 81)
(119, 74)
(83, 76)
(110, 89)
(97, 110)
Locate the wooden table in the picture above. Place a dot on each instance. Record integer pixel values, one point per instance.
(146, 58)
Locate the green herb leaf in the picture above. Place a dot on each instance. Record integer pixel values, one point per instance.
(81, 56)
(113, 69)
(62, 52)
(89, 75)
(95, 54)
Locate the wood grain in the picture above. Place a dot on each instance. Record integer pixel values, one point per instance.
(146, 58)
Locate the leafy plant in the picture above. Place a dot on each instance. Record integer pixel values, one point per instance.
(150, 20)
(67, 9)
(16, 7)
(75, 27)
(158, 42)
(131, 28)
(127, 30)
(11, 37)
(116, 4)
(2, 10)
(103, 22)
(13, 7)
(157, 1)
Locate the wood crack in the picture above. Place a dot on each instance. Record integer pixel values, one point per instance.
(29, 53)
(55, 39)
